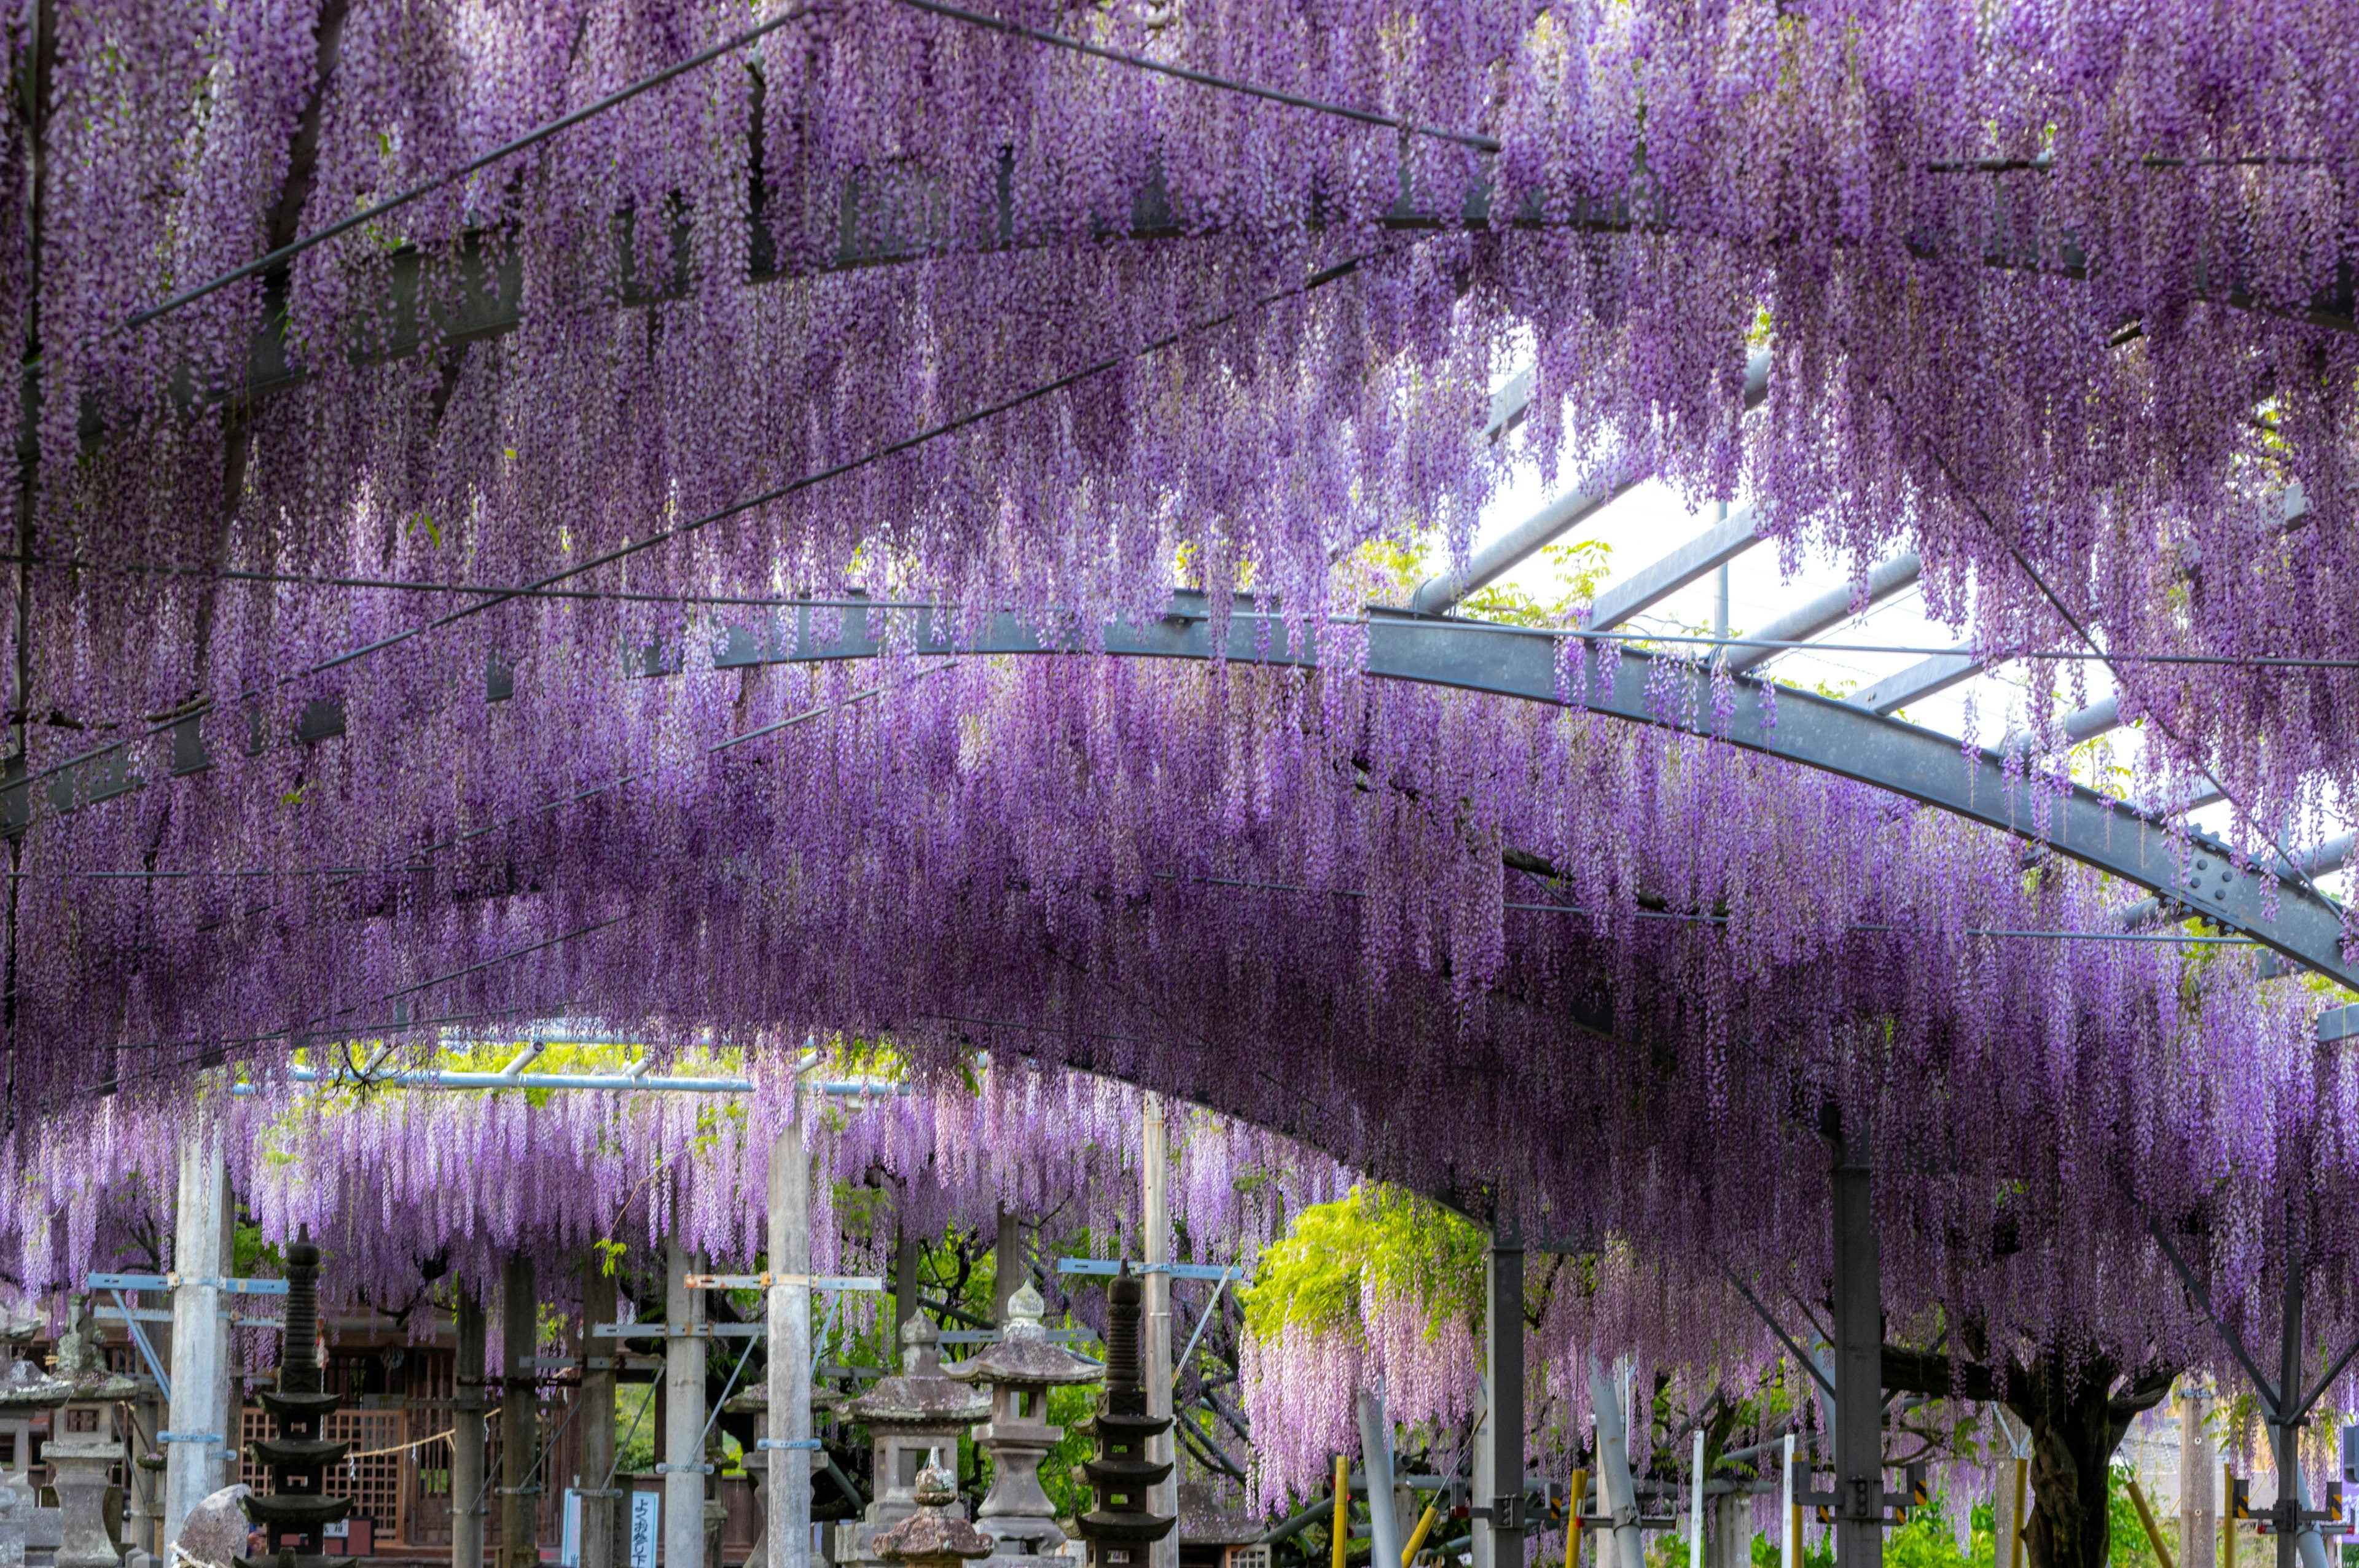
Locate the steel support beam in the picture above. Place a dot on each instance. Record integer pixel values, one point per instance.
(1858, 1351)
(1798, 727)
(1922, 679)
(1499, 1483)
(1828, 610)
(683, 1467)
(596, 1478)
(1650, 585)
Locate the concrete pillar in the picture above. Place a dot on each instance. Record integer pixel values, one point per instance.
(1008, 1270)
(1859, 1354)
(905, 1282)
(683, 1432)
(788, 1500)
(1731, 1535)
(519, 1415)
(1499, 1473)
(201, 1407)
(600, 1514)
(467, 1437)
(2199, 1478)
(1163, 1497)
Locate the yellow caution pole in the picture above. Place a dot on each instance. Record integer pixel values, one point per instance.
(2227, 1517)
(1416, 1537)
(1571, 1521)
(1343, 1507)
(2153, 1531)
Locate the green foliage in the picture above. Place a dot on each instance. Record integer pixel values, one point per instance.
(1580, 562)
(2129, 1547)
(1378, 1239)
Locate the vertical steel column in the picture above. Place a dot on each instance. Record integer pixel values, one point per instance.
(1616, 1497)
(786, 1529)
(1499, 1480)
(201, 1414)
(598, 1357)
(2285, 1430)
(1155, 1168)
(519, 1414)
(467, 1437)
(1859, 1353)
(683, 1460)
(1377, 1461)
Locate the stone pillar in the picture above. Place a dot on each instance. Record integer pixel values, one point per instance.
(904, 1280)
(202, 1421)
(79, 1462)
(1155, 1165)
(1008, 1270)
(785, 1534)
(467, 1437)
(600, 1514)
(683, 1434)
(519, 1414)
(1499, 1474)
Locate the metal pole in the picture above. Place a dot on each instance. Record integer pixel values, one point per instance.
(787, 1529)
(1376, 1459)
(467, 1437)
(198, 1425)
(683, 1460)
(905, 1289)
(1617, 1499)
(1154, 1159)
(1789, 1519)
(1859, 1354)
(1695, 1505)
(598, 1357)
(2283, 1421)
(519, 1415)
(1501, 1485)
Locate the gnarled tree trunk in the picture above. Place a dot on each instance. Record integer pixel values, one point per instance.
(2076, 1418)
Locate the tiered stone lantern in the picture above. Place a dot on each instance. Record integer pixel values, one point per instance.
(908, 1416)
(1021, 1369)
(935, 1536)
(299, 1509)
(1119, 1530)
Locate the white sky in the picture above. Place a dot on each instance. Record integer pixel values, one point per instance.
(1649, 521)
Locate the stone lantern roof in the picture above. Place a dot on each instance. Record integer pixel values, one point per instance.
(935, 1536)
(920, 1394)
(1023, 1353)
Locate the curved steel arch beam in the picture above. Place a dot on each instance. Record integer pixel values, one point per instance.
(1798, 727)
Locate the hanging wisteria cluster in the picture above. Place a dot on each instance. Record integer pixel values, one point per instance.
(1289, 898)
(404, 1185)
(2057, 296)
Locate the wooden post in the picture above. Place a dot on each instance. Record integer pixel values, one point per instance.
(683, 1460)
(787, 1528)
(467, 1437)
(596, 1481)
(904, 1286)
(519, 1415)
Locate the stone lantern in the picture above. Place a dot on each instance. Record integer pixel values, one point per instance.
(1120, 1529)
(298, 1511)
(908, 1416)
(934, 1536)
(1021, 1369)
